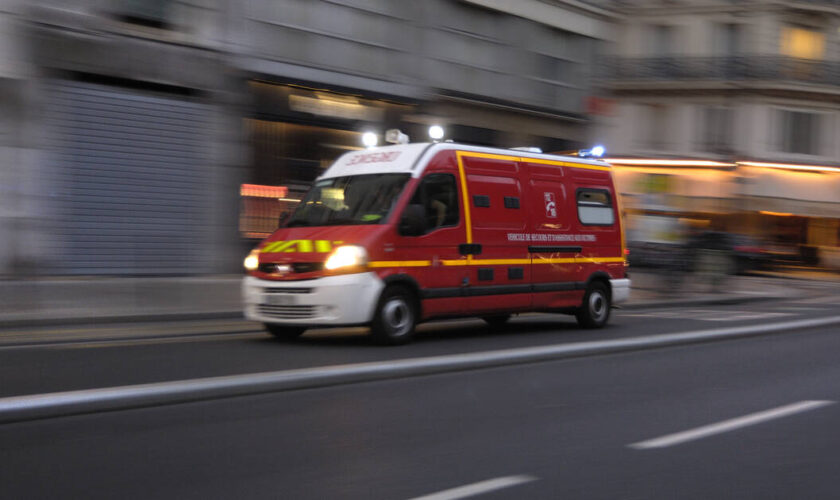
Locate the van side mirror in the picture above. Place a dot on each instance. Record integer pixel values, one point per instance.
(284, 217)
(413, 221)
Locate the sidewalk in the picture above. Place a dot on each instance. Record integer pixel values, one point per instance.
(43, 302)
(39, 302)
(657, 289)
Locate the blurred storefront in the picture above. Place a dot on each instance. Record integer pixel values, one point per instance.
(791, 210)
(294, 133)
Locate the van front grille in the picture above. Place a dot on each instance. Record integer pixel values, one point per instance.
(307, 267)
(277, 289)
(295, 267)
(288, 312)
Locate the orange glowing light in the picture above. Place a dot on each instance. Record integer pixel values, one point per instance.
(258, 191)
(788, 166)
(779, 214)
(651, 162)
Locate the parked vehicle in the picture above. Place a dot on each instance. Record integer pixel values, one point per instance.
(392, 236)
(749, 254)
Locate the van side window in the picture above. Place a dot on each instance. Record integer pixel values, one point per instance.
(595, 207)
(438, 193)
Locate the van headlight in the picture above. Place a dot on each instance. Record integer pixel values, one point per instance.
(252, 261)
(347, 257)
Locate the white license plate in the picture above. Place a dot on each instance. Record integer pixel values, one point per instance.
(280, 300)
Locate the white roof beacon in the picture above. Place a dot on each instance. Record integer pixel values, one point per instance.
(394, 136)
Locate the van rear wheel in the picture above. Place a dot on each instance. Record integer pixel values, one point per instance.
(595, 309)
(395, 316)
(496, 320)
(284, 332)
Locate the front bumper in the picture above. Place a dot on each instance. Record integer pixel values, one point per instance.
(348, 299)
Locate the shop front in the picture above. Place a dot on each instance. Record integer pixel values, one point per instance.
(294, 134)
(790, 212)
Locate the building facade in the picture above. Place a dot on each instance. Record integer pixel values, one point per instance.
(158, 137)
(751, 85)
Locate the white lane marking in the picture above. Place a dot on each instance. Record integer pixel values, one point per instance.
(729, 425)
(478, 488)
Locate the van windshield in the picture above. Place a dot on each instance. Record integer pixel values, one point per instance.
(351, 200)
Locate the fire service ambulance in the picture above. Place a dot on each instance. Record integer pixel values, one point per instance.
(395, 235)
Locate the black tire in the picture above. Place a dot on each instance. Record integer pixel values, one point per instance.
(496, 320)
(284, 332)
(594, 312)
(395, 317)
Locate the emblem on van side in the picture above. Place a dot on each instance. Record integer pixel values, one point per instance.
(550, 206)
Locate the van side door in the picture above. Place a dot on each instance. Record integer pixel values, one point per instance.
(432, 258)
(553, 242)
(499, 264)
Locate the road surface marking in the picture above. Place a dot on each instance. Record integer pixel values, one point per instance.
(729, 425)
(85, 401)
(478, 488)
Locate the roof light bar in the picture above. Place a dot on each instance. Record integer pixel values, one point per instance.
(370, 139)
(436, 132)
(395, 136)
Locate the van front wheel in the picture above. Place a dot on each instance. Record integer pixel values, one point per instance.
(595, 309)
(395, 317)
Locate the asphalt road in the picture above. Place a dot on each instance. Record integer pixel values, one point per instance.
(577, 428)
(179, 351)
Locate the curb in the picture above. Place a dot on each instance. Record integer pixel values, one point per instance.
(61, 404)
(723, 300)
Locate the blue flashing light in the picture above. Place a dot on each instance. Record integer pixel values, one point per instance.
(596, 152)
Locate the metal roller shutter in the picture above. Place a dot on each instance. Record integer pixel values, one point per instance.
(130, 180)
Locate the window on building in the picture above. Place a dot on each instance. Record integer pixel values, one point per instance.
(728, 39)
(802, 43)
(799, 132)
(595, 207)
(656, 126)
(718, 129)
(662, 40)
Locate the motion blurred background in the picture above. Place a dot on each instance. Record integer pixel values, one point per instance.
(164, 138)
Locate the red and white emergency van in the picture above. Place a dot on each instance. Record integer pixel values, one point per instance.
(395, 235)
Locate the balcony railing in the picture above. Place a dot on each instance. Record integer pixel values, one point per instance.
(723, 69)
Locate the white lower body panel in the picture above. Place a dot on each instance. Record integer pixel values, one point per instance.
(347, 299)
(620, 290)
